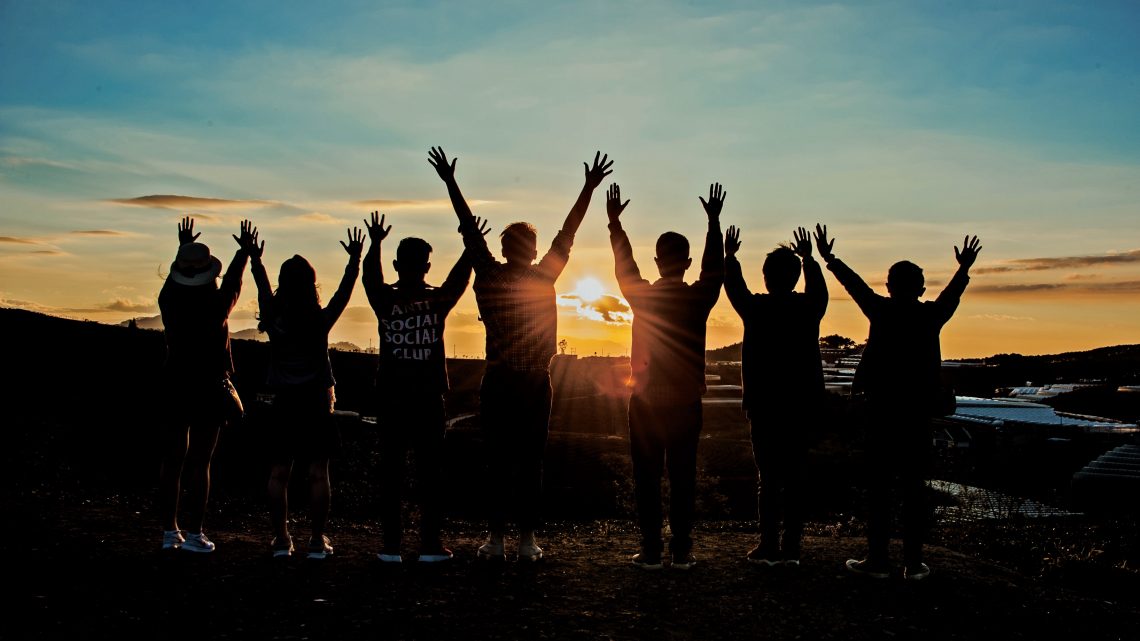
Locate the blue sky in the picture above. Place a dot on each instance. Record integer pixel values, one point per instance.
(902, 125)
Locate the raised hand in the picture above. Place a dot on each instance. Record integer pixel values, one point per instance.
(822, 244)
(438, 159)
(248, 241)
(731, 241)
(478, 224)
(355, 242)
(802, 244)
(614, 205)
(715, 202)
(969, 252)
(596, 174)
(376, 231)
(186, 231)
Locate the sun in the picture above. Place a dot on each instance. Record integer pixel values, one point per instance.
(589, 289)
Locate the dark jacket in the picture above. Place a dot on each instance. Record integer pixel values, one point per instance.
(195, 322)
(781, 361)
(667, 356)
(903, 358)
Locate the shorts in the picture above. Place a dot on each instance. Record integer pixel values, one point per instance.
(300, 423)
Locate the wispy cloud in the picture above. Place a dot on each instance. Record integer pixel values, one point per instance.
(1062, 262)
(19, 241)
(102, 232)
(1002, 317)
(1115, 287)
(172, 201)
(430, 203)
(124, 305)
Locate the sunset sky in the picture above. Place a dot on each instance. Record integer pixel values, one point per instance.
(902, 125)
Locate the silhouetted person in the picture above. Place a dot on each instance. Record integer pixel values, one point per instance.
(516, 302)
(667, 361)
(195, 318)
(782, 377)
(301, 381)
(900, 375)
(410, 382)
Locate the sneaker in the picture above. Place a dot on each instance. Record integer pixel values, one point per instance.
(868, 569)
(766, 557)
(282, 547)
(320, 548)
(647, 561)
(437, 554)
(683, 561)
(390, 554)
(491, 551)
(916, 572)
(172, 539)
(792, 562)
(197, 542)
(530, 552)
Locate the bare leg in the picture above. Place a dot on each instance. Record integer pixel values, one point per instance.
(320, 496)
(203, 440)
(279, 499)
(170, 474)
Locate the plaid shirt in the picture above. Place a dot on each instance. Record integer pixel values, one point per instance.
(517, 304)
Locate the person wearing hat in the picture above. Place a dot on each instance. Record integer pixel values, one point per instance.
(196, 377)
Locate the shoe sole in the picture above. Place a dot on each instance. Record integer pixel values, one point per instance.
(434, 558)
(492, 558)
(279, 554)
(768, 563)
(195, 550)
(684, 567)
(530, 558)
(319, 556)
(869, 575)
(390, 558)
(649, 567)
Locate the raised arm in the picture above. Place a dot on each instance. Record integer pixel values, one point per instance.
(734, 285)
(628, 275)
(257, 269)
(339, 300)
(712, 261)
(952, 294)
(460, 275)
(556, 258)
(474, 241)
(372, 276)
(815, 287)
(230, 288)
(860, 292)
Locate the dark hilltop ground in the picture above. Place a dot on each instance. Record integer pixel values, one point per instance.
(84, 562)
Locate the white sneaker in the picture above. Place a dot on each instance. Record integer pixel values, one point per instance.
(197, 542)
(530, 552)
(492, 551)
(172, 539)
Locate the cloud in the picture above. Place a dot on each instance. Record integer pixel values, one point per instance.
(431, 203)
(18, 241)
(1115, 287)
(1061, 262)
(318, 217)
(100, 232)
(170, 201)
(123, 305)
(606, 308)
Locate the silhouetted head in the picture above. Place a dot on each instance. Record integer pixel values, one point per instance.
(905, 280)
(520, 243)
(781, 270)
(297, 283)
(412, 256)
(672, 254)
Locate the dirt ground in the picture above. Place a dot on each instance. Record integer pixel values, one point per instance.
(89, 567)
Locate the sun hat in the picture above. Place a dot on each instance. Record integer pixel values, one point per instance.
(195, 265)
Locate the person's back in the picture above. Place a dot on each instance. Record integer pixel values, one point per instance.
(780, 356)
(667, 366)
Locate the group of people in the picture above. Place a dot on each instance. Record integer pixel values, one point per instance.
(783, 385)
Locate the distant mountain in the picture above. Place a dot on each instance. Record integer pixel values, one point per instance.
(144, 322)
(726, 353)
(250, 334)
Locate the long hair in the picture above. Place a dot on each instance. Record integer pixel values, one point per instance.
(296, 303)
